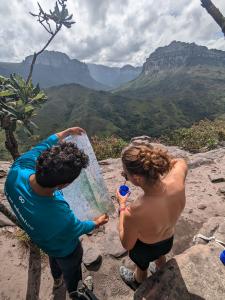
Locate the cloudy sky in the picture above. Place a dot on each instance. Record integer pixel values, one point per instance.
(111, 32)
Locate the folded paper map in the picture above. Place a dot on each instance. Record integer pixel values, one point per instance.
(87, 195)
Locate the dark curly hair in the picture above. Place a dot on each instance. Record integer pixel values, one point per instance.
(60, 164)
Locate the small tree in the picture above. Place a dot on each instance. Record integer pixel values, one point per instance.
(215, 13)
(19, 98)
(18, 102)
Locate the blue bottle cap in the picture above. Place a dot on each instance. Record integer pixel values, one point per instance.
(222, 257)
(124, 189)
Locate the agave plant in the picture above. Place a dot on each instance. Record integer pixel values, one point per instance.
(18, 103)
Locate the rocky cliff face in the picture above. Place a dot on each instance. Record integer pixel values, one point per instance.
(179, 54)
(50, 58)
(54, 68)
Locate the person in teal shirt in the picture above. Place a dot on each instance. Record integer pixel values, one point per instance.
(33, 189)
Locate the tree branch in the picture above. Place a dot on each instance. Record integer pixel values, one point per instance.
(215, 13)
(59, 17)
(38, 53)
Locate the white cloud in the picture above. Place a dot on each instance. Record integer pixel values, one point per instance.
(110, 32)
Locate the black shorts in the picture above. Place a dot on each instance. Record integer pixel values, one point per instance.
(142, 254)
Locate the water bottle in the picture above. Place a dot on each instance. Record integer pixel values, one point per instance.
(124, 190)
(222, 257)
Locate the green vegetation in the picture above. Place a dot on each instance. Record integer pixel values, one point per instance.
(26, 243)
(104, 147)
(109, 147)
(203, 136)
(18, 103)
(152, 106)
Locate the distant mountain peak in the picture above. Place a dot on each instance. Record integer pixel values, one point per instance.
(180, 54)
(49, 58)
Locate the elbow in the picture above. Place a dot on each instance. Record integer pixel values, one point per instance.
(126, 245)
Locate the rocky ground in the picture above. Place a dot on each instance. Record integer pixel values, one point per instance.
(193, 271)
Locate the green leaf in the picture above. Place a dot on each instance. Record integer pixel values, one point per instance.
(40, 97)
(33, 124)
(6, 93)
(57, 12)
(27, 130)
(29, 108)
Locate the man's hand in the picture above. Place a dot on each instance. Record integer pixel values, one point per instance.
(70, 131)
(121, 199)
(76, 131)
(103, 219)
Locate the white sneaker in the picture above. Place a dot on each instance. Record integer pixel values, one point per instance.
(88, 282)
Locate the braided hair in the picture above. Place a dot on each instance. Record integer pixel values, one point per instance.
(147, 161)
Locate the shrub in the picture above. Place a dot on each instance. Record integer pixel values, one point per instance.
(108, 147)
(203, 136)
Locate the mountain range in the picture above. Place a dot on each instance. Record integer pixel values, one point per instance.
(54, 68)
(179, 84)
(114, 77)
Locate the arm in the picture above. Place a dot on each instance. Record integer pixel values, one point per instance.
(28, 159)
(84, 227)
(179, 169)
(70, 131)
(127, 228)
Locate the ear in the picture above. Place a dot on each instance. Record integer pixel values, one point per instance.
(137, 179)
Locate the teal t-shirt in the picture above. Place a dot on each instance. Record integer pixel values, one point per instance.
(49, 221)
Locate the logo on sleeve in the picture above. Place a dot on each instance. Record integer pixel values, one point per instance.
(21, 199)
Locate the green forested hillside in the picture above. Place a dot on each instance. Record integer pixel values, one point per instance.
(148, 106)
(180, 84)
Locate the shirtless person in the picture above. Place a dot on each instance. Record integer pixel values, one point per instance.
(146, 227)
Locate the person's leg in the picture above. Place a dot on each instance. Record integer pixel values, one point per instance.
(54, 267)
(71, 268)
(140, 275)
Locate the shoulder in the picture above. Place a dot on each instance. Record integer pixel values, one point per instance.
(179, 170)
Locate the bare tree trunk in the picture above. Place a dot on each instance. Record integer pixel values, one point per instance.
(6, 212)
(11, 143)
(38, 53)
(215, 13)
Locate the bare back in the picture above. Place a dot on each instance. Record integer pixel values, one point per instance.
(155, 216)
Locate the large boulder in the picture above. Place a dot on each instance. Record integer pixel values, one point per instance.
(113, 245)
(193, 275)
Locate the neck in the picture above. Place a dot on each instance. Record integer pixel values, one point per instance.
(40, 190)
(154, 188)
